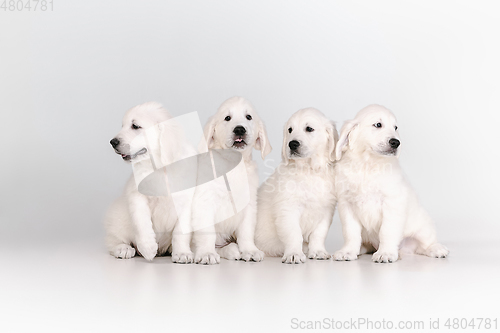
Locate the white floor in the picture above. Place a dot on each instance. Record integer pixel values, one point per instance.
(78, 287)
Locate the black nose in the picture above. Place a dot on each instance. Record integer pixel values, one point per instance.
(114, 142)
(394, 143)
(294, 144)
(239, 130)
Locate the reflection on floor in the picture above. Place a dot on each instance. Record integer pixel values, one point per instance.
(79, 287)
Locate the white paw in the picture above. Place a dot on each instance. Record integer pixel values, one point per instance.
(319, 255)
(230, 252)
(183, 257)
(384, 257)
(294, 258)
(437, 251)
(253, 255)
(123, 251)
(345, 255)
(148, 248)
(207, 258)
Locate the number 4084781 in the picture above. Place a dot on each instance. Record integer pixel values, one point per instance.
(27, 5)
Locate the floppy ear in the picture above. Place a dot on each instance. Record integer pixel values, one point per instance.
(151, 137)
(209, 132)
(262, 141)
(333, 138)
(347, 137)
(283, 149)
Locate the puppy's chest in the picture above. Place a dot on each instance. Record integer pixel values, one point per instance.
(368, 209)
(365, 196)
(163, 214)
(314, 192)
(242, 183)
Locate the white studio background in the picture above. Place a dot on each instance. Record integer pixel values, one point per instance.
(67, 77)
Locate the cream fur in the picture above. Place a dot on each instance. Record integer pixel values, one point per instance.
(297, 202)
(234, 237)
(148, 223)
(377, 206)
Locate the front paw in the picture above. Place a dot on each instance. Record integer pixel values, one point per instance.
(230, 252)
(294, 258)
(207, 258)
(318, 255)
(148, 248)
(182, 257)
(345, 255)
(437, 251)
(123, 251)
(384, 257)
(252, 255)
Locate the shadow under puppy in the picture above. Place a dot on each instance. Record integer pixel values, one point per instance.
(297, 202)
(377, 207)
(235, 126)
(149, 139)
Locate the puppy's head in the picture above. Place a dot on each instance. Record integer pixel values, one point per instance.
(308, 134)
(237, 126)
(130, 142)
(374, 130)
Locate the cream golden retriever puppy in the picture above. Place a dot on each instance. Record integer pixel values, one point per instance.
(297, 202)
(235, 126)
(377, 206)
(149, 140)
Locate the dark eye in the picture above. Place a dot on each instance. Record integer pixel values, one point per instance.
(290, 130)
(309, 129)
(134, 126)
(378, 125)
(396, 128)
(228, 118)
(249, 117)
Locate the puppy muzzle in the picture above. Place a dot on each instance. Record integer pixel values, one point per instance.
(129, 157)
(239, 139)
